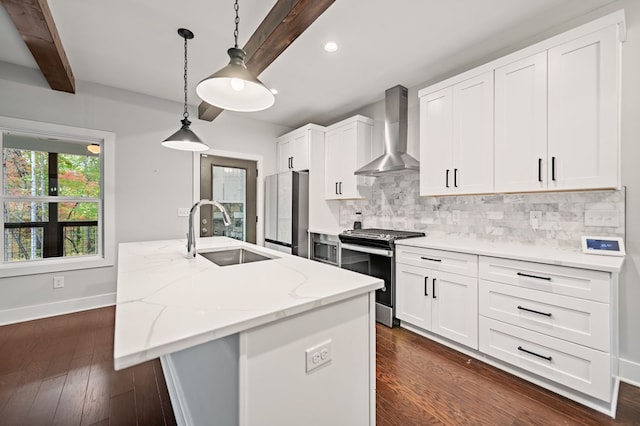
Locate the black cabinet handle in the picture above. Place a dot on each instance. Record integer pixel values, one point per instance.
(433, 288)
(520, 348)
(340, 187)
(426, 293)
(336, 188)
(546, 314)
(291, 162)
(539, 169)
(428, 258)
(553, 168)
(455, 178)
(447, 178)
(533, 276)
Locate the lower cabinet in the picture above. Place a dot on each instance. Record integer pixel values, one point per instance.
(553, 325)
(440, 302)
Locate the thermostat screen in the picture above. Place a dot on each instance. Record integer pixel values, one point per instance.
(603, 245)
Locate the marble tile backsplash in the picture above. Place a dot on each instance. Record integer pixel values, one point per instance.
(394, 202)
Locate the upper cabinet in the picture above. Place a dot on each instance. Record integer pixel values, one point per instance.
(584, 147)
(557, 117)
(544, 118)
(293, 148)
(347, 148)
(521, 125)
(456, 138)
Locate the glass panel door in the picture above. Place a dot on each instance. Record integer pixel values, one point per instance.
(232, 183)
(230, 189)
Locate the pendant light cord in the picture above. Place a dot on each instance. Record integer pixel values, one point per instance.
(237, 21)
(186, 112)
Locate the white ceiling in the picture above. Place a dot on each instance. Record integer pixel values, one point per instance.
(133, 45)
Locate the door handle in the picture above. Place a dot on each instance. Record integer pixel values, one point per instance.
(433, 288)
(539, 169)
(455, 178)
(291, 162)
(426, 286)
(340, 187)
(553, 168)
(447, 178)
(336, 188)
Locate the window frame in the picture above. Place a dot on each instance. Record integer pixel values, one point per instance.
(106, 216)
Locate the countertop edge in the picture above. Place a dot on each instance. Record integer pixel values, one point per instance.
(547, 255)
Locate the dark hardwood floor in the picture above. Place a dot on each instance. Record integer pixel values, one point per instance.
(60, 371)
(421, 382)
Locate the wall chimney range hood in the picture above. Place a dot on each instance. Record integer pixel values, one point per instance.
(395, 158)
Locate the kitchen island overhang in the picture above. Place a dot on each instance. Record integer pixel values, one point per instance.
(168, 304)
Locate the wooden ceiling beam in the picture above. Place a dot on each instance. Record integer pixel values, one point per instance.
(282, 25)
(35, 24)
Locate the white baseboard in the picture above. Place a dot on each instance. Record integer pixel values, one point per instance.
(28, 313)
(629, 372)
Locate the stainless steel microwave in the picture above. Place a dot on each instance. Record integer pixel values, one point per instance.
(325, 248)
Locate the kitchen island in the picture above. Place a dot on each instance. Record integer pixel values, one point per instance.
(279, 341)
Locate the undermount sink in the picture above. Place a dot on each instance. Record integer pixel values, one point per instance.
(236, 256)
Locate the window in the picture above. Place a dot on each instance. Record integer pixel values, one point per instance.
(56, 212)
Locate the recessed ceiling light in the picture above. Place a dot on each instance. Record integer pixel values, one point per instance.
(274, 91)
(330, 46)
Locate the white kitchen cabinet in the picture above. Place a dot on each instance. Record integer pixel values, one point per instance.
(347, 148)
(293, 148)
(441, 302)
(553, 321)
(456, 138)
(584, 147)
(573, 87)
(521, 125)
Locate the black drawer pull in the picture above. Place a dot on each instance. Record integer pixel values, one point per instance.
(546, 314)
(455, 178)
(533, 276)
(447, 178)
(425, 286)
(553, 168)
(428, 258)
(433, 289)
(548, 358)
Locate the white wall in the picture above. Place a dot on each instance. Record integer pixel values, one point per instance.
(151, 181)
(629, 316)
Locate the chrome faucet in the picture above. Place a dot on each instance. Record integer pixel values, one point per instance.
(191, 238)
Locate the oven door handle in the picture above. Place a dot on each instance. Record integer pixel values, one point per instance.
(370, 250)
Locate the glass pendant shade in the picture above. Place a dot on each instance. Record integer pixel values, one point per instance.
(234, 87)
(185, 140)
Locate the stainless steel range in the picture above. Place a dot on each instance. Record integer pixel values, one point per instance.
(371, 251)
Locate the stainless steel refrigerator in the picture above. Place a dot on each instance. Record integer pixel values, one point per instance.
(287, 212)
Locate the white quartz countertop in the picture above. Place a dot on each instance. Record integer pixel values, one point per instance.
(166, 302)
(529, 253)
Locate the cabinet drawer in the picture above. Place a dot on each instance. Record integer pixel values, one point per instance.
(580, 321)
(576, 282)
(584, 369)
(438, 260)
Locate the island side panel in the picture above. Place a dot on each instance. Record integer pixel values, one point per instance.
(275, 387)
(203, 382)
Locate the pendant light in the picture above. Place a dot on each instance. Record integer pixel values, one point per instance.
(234, 87)
(184, 139)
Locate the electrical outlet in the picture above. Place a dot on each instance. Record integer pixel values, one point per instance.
(535, 219)
(58, 282)
(318, 355)
(455, 217)
(183, 212)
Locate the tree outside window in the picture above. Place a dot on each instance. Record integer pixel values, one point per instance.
(52, 198)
